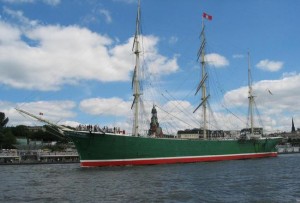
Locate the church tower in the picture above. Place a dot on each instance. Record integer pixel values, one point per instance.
(154, 130)
(293, 126)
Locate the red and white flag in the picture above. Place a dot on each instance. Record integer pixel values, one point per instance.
(206, 16)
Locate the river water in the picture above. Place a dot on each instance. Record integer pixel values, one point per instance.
(257, 180)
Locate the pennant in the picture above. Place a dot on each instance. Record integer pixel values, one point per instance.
(206, 16)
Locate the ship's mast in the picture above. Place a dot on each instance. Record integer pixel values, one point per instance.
(204, 76)
(250, 95)
(204, 97)
(135, 78)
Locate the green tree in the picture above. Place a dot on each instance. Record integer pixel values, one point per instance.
(7, 138)
(3, 120)
(21, 131)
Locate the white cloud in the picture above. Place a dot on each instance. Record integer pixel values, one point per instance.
(268, 65)
(162, 65)
(237, 56)
(106, 14)
(70, 123)
(52, 2)
(9, 35)
(19, 16)
(237, 97)
(96, 14)
(106, 106)
(274, 107)
(66, 55)
(216, 60)
(284, 94)
(157, 64)
(289, 74)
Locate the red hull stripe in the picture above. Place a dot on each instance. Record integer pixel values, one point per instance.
(172, 160)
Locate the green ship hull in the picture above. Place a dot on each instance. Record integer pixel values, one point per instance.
(99, 149)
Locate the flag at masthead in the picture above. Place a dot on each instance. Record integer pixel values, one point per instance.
(206, 16)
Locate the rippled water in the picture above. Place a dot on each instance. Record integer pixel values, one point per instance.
(258, 180)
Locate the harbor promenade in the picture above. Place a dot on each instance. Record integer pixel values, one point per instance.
(13, 156)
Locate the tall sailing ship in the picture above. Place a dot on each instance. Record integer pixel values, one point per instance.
(101, 148)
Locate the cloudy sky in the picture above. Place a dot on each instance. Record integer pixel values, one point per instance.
(73, 61)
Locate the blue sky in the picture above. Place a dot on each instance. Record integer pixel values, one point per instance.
(72, 60)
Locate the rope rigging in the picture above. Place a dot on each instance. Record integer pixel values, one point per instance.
(174, 116)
